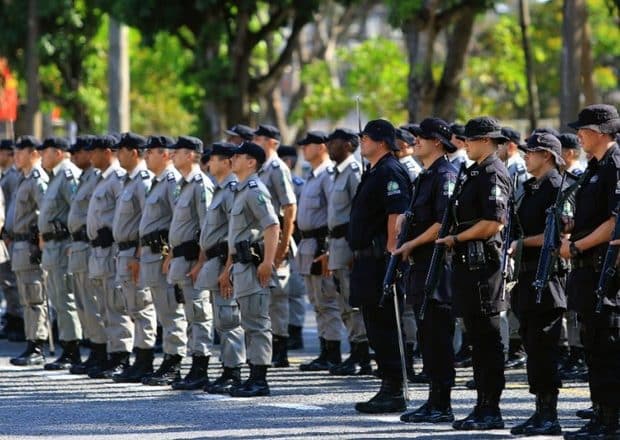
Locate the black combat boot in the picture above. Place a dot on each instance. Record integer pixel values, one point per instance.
(437, 409)
(315, 364)
(96, 357)
(462, 359)
(231, 377)
(70, 356)
(486, 415)
(516, 354)
(330, 356)
(358, 362)
(116, 363)
(32, 355)
(520, 428)
(279, 357)
(141, 368)
(255, 386)
(546, 422)
(197, 378)
(295, 340)
(168, 372)
(592, 429)
(389, 399)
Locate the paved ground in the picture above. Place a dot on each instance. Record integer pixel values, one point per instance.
(34, 402)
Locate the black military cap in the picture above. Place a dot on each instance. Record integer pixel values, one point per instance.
(243, 131)
(405, 136)
(484, 127)
(381, 130)
(545, 142)
(131, 141)
(436, 128)
(569, 141)
(268, 131)
(598, 117)
(81, 143)
(548, 130)
(102, 142)
(158, 141)
(458, 130)
(346, 135)
(512, 135)
(414, 129)
(54, 142)
(225, 149)
(253, 150)
(314, 137)
(287, 150)
(206, 155)
(27, 142)
(189, 143)
(7, 144)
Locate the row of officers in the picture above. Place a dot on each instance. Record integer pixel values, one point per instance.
(118, 243)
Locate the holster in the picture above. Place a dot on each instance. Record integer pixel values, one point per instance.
(246, 252)
(35, 251)
(155, 240)
(190, 250)
(104, 238)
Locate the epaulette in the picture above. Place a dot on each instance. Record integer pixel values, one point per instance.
(275, 164)
(197, 178)
(170, 176)
(252, 183)
(355, 166)
(144, 174)
(119, 173)
(298, 180)
(35, 174)
(68, 174)
(330, 170)
(521, 169)
(232, 185)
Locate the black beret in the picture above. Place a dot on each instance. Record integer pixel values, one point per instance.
(158, 142)
(545, 142)
(131, 141)
(268, 131)
(569, 141)
(314, 137)
(81, 143)
(598, 117)
(252, 149)
(189, 143)
(381, 130)
(54, 142)
(484, 127)
(286, 151)
(512, 135)
(436, 128)
(225, 149)
(405, 136)
(7, 144)
(102, 142)
(242, 131)
(346, 135)
(27, 142)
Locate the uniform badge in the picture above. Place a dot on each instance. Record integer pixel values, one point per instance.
(252, 184)
(35, 174)
(232, 185)
(393, 188)
(177, 191)
(448, 188)
(275, 164)
(330, 170)
(68, 174)
(197, 178)
(496, 193)
(261, 199)
(170, 177)
(355, 166)
(144, 174)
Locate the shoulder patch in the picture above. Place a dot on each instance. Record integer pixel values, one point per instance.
(261, 198)
(393, 188)
(275, 164)
(253, 184)
(197, 178)
(144, 175)
(68, 173)
(170, 176)
(35, 174)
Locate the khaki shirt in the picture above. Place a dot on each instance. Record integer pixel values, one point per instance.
(56, 201)
(103, 202)
(277, 178)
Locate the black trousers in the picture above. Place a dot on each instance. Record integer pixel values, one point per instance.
(437, 332)
(540, 332)
(382, 333)
(487, 353)
(602, 350)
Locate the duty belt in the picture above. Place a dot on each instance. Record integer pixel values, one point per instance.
(22, 237)
(55, 236)
(80, 235)
(124, 245)
(318, 233)
(188, 249)
(155, 238)
(219, 250)
(339, 231)
(591, 262)
(104, 238)
(367, 253)
(532, 266)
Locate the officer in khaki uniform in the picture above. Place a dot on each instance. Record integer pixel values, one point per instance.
(101, 265)
(193, 194)
(277, 178)
(13, 329)
(347, 176)
(54, 233)
(90, 306)
(154, 228)
(252, 242)
(125, 229)
(214, 252)
(26, 254)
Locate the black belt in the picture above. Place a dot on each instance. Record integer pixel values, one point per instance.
(219, 250)
(367, 253)
(22, 237)
(124, 245)
(339, 231)
(189, 249)
(55, 236)
(318, 233)
(155, 238)
(593, 262)
(80, 235)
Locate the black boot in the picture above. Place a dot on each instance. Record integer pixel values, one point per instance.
(592, 429)
(462, 359)
(96, 357)
(141, 368)
(70, 356)
(116, 363)
(389, 399)
(330, 356)
(575, 366)
(547, 421)
(255, 386)
(168, 372)
(358, 362)
(231, 377)
(485, 416)
(437, 409)
(197, 378)
(532, 421)
(516, 354)
(409, 359)
(32, 355)
(317, 362)
(295, 340)
(279, 358)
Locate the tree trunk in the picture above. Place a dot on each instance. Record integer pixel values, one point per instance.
(533, 105)
(31, 113)
(570, 68)
(118, 78)
(587, 66)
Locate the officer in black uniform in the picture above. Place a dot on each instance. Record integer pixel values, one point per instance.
(595, 202)
(381, 196)
(433, 189)
(479, 212)
(540, 324)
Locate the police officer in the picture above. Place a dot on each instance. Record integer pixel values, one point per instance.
(312, 222)
(90, 306)
(381, 196)
(433, 189)
(210, 267)
(595, 203)
(345, 180)
(458, 140)
(13, 328)
(405, 142)
(239, 133)
(253, 233)
(141, 329)
(193, 194)
(479, 214)
(540, 324)
(277, 178)
(55, 235)
(26, 253)
(571, 152)
(154, 231)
